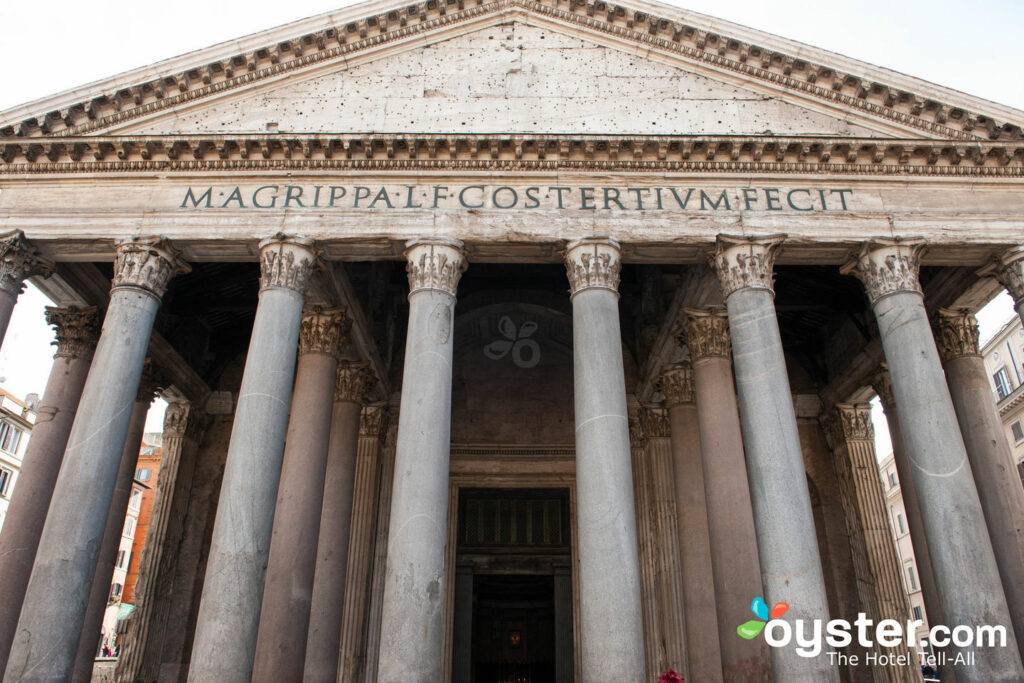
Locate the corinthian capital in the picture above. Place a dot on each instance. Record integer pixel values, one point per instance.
(373, 421)
(19, 260)
(353, 383)
(655, 422)
(1008, 269)
(287, 263)
(745, 263)
(593, 263)
(151, 382)
(676, 383)
(77, 330)
(434, 263)
(706, 333)
(882, 384)
(956, 334)
(887, 266)
(147, 263)
(322, 330)
(853, 421)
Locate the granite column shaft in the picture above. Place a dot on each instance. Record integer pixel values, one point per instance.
(786, 537)
(229, 611)
(609, 574)
(77, 333)
(992, 463)
(92, 626)
(58, 591)
(412, 616)
(288, 588)
(970, 589)
(328, 606)
(704, 655)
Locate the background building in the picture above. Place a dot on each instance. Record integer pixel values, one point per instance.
(16, 420)
(1004, 360)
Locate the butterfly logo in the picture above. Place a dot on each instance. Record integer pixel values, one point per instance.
(753, 628)
(525, 351)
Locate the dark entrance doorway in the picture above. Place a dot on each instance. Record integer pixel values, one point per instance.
(513, 587)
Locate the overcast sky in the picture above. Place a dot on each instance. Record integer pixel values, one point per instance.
(45, 49)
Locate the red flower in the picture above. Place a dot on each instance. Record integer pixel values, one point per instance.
(670, 676)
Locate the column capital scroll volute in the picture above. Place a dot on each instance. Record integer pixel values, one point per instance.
(77, 330)
(1008, 269)
(434, 263)
(147, 264)
(593, 263)
(745, 262)
(705, 331)
(676, 383)
(956, 333)
(322, 330)
(288, 262)
(887, 266)
(849, 422)
(353, 382)
(19, 260)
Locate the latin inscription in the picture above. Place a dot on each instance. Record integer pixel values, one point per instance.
(519, 198)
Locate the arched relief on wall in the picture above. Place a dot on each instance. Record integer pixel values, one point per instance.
(512, 375)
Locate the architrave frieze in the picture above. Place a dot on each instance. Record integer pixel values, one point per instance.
(631, 26)
(731, 154)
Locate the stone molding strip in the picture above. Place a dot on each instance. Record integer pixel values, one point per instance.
(690, 43)
(383, 152)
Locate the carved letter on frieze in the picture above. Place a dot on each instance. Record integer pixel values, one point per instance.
(353, 382)
(1008, 269)
(77, 330)
(887, 266)
(956, 334)
(434, 263)
(322, 330)
(745, 263)
(147, 263)
(593, 262)
(676, 383)
(706, 333)
(19, 260)
(287, 263)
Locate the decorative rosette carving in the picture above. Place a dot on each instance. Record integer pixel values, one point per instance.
(745, 263)
(593, 262)
(676, 383)
(434, 263)
(77, 330)
(373, 422)
(20, 260)
(956, 334)
(706, 333)
(287, 263)
(322, 330)
(655, 422)
(353, 382)
(147, 263)
(1008, 269)
(887, 266)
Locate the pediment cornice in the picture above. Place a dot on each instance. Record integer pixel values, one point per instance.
(637, 153)
(929, 110)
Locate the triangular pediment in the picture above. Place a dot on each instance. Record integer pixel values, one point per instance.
(515, 66)
(511, 77)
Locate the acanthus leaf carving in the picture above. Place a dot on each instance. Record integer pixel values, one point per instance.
(676, 383)
(956, 334)
(322, 330)
(654, 421)
(706, 333)
(745, 263)
(287, 263)
(434, 264)
(147, 263)
(593, 262)
(1008, 269)
(19, 259)
(353, 382)
(77, 330)
(887, 266)
(373, 422)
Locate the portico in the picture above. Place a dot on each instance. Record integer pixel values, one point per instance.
(552, 381)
